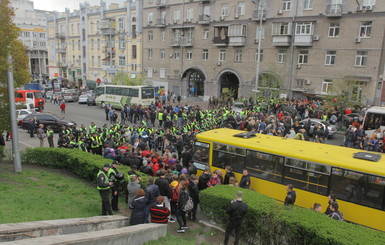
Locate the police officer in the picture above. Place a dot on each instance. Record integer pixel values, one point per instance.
(236, 211)
(114, 177)
(82, 144)
(104, 186)
(50, 136)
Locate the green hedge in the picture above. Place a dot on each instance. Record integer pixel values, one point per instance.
(83, 164)
(270, 222)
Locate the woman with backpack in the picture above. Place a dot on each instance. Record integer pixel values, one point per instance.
(184, 200)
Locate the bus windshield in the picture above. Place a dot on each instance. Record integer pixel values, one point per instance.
(99, 91)
(38, 95)
(148, 93)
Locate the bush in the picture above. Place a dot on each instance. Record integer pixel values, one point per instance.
(83, 164)
(269, 222)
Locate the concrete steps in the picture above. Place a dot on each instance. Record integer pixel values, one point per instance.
(92, 230)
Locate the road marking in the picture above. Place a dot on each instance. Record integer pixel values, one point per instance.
(21, 142)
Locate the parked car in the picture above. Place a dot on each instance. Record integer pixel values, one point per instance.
(83, 98)
(314, 121)
(25, 106)
(238, 106)
(71, 95)
(21, 114)
(91, 100)
(48, 119)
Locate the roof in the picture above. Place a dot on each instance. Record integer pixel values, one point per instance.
(314, 152)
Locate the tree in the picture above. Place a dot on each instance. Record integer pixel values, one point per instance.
(9, 45)
(123, 78)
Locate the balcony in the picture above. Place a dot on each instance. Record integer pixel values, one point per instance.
(237, 41)
(161, 3)
(161, 23)
(60, 35)
(187, 42)
(334, 10)
(107, 26)
(303, 40)
(61, 49)
(219, 41)
(175, 42)
(108, 50)
(281, 40)
(204, 19)
(257, 15)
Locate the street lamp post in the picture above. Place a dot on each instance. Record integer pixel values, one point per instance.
(259, 38)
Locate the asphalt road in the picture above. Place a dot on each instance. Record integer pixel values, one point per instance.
(83, 114)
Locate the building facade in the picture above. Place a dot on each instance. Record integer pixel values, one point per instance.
(307, 47)
(32, 24)
(95, 43)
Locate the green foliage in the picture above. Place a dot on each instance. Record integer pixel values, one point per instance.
(43, 194)
(123, 78)
(83, 164)
(10, 45)
(269, 222)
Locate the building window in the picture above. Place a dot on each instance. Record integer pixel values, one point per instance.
(73, 44)
(241, 9)
(260, 32)
(361, 58)
(365, 29)
(222, 55)
(122, 44)
(237, 31)
(189, 55)
(162, 35)
(369, 3)
(206, 32)
(122, 60)
(305, 28)
(281, 28)
(133, 67)
(92, 60)
(303, 56)
(260, 58)
(190, 14)
(78, 44)
(99, 60)
(205, 54)
(80, 59)
(150, 17)
(162, 54)
(176, 54)
(162, 72)
(121, 24)
(224, 10)
(176, 14)
(330, 58)
(133, 51)
(150, 35)
(98, 43)
(334, 29)
(92, 43)
(308, 4)
(286, 5)
(326, 86)
(149, 54)
(72, 29)
(282, 56)
(238, 55)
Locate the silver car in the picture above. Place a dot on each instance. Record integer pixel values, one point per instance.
(83, 98)
(314, 121)
(238, 106)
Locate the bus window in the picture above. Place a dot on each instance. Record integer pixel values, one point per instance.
(363, 189)
(224, 155)
(99, 91)
(124, 91)
(147, 93)
(201, 155)
(134, 92)
(110, 90)
(312, 177)
(264, 166)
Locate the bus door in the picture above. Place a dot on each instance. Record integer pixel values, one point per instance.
(201, 155)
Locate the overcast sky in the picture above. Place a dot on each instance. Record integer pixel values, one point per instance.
(60, 5)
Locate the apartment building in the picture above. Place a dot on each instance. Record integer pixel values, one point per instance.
(307, 47)
(95, 43)
(32, 24)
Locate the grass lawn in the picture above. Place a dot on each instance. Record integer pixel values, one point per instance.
(42, 194)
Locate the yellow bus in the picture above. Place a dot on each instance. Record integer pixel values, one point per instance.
(316, 170)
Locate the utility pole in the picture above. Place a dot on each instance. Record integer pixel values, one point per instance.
(12, 109)
(260, 15)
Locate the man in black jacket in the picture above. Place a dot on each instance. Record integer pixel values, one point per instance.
(203, 179)
(291, 195)
(245, 180)
(236, 211)
(152, 192)
(228, 175)
(194, 194)
(164, 190)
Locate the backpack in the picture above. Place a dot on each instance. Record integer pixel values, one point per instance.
(175, 194)
(189, 205)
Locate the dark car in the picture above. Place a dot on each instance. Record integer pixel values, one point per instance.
(91, 100)
(48, 119)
